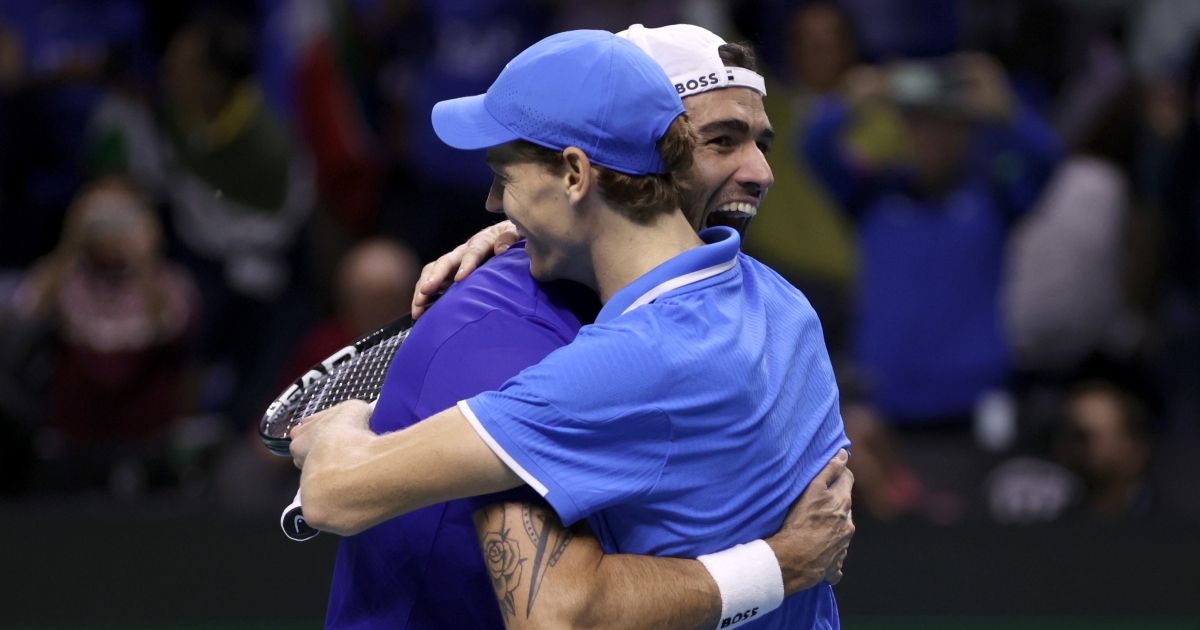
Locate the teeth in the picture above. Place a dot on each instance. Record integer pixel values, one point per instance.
(747, 209)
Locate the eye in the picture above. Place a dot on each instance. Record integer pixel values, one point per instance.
(724, 142)
(498, 183)
(765, 147)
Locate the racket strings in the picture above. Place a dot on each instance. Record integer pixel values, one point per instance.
(360, 377)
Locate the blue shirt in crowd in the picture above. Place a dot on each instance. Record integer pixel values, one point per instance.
(686, 420)
(424, 570)
(928, 335)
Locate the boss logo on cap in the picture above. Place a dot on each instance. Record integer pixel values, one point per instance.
(697, 83)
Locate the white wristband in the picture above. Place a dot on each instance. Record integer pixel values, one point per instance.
(750, 581)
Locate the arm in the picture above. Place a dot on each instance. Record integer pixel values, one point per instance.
(851, 183)
(458, 264)
(353, 479)
(550, 576)
(1025, 152)
(1022, 147)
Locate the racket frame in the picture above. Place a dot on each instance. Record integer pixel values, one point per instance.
(283, 408)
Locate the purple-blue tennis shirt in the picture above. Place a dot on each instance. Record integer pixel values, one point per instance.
(424, 570)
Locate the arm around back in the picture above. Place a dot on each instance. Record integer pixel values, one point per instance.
(546, 575)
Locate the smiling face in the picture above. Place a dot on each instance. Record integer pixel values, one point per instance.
(534, 197)
(730, 175)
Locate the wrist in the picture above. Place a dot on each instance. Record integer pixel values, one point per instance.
(749, 581)
(796, 567)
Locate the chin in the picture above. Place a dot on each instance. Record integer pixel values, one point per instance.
(538, 270)
(543, 275)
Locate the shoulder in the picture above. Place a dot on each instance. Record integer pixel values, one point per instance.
(498, 302)
(501, 284)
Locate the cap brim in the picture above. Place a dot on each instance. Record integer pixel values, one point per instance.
(464, 123)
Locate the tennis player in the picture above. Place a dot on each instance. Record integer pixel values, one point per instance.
(671, 424)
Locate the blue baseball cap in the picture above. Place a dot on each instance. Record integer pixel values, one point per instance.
(586, 89)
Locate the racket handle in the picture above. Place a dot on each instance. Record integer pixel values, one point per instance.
(293, 523)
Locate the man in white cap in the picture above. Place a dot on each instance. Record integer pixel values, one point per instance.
(544, 574)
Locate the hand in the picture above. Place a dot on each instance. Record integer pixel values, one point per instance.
(321, 438)
(864, 84)
(435, 277)
(815, 537)
(988, 95)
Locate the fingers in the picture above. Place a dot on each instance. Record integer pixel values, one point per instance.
(507, 239)
(833, 575)
(299, 446)
(832, 471)
(842, 488)
(489, 242)
(435, 279)
(478, 250)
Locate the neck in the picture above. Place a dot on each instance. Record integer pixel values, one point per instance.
(625, 251)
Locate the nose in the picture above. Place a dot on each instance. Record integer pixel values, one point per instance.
(755, 175)
(495, 198)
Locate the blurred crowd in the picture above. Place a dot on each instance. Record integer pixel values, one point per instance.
(994, 206)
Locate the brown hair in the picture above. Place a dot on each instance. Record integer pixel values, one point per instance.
(639, 198)
(738, 56)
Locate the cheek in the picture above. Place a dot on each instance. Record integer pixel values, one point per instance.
(707, 176)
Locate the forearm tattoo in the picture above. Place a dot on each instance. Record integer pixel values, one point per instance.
(506, 561)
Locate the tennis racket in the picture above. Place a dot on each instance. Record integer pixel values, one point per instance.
(354, 372)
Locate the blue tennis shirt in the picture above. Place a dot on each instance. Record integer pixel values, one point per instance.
(686, 420)
(424, 570)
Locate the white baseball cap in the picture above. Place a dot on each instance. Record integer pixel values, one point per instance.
(689, 56)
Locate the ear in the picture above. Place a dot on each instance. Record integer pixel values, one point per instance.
(579, 178)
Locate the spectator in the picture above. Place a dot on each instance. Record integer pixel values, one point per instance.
(801, 233)
(1100, 458)
(927, 335)
(883, 482)
(124, 315)
(375, 283)
(1064, 297)
(55, 58)
(237, 191)
(1104, 442)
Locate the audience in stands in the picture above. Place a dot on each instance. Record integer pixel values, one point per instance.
(238, 194)
(964, 275)
(124, 316)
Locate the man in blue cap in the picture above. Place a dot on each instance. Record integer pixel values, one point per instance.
(626, 425)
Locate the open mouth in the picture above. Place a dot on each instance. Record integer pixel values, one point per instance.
(736, 215)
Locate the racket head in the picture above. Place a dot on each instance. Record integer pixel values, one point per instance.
(356, 371)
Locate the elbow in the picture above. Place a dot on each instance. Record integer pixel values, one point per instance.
(586, 607)
(571, 605)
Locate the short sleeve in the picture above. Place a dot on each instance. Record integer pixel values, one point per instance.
(577, 426)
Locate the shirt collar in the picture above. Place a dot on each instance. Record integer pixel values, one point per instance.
(717, 255)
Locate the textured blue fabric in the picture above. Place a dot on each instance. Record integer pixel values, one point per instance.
(424, 570)
(684, 426)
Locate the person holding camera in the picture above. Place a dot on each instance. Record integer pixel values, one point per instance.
(927, 336)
